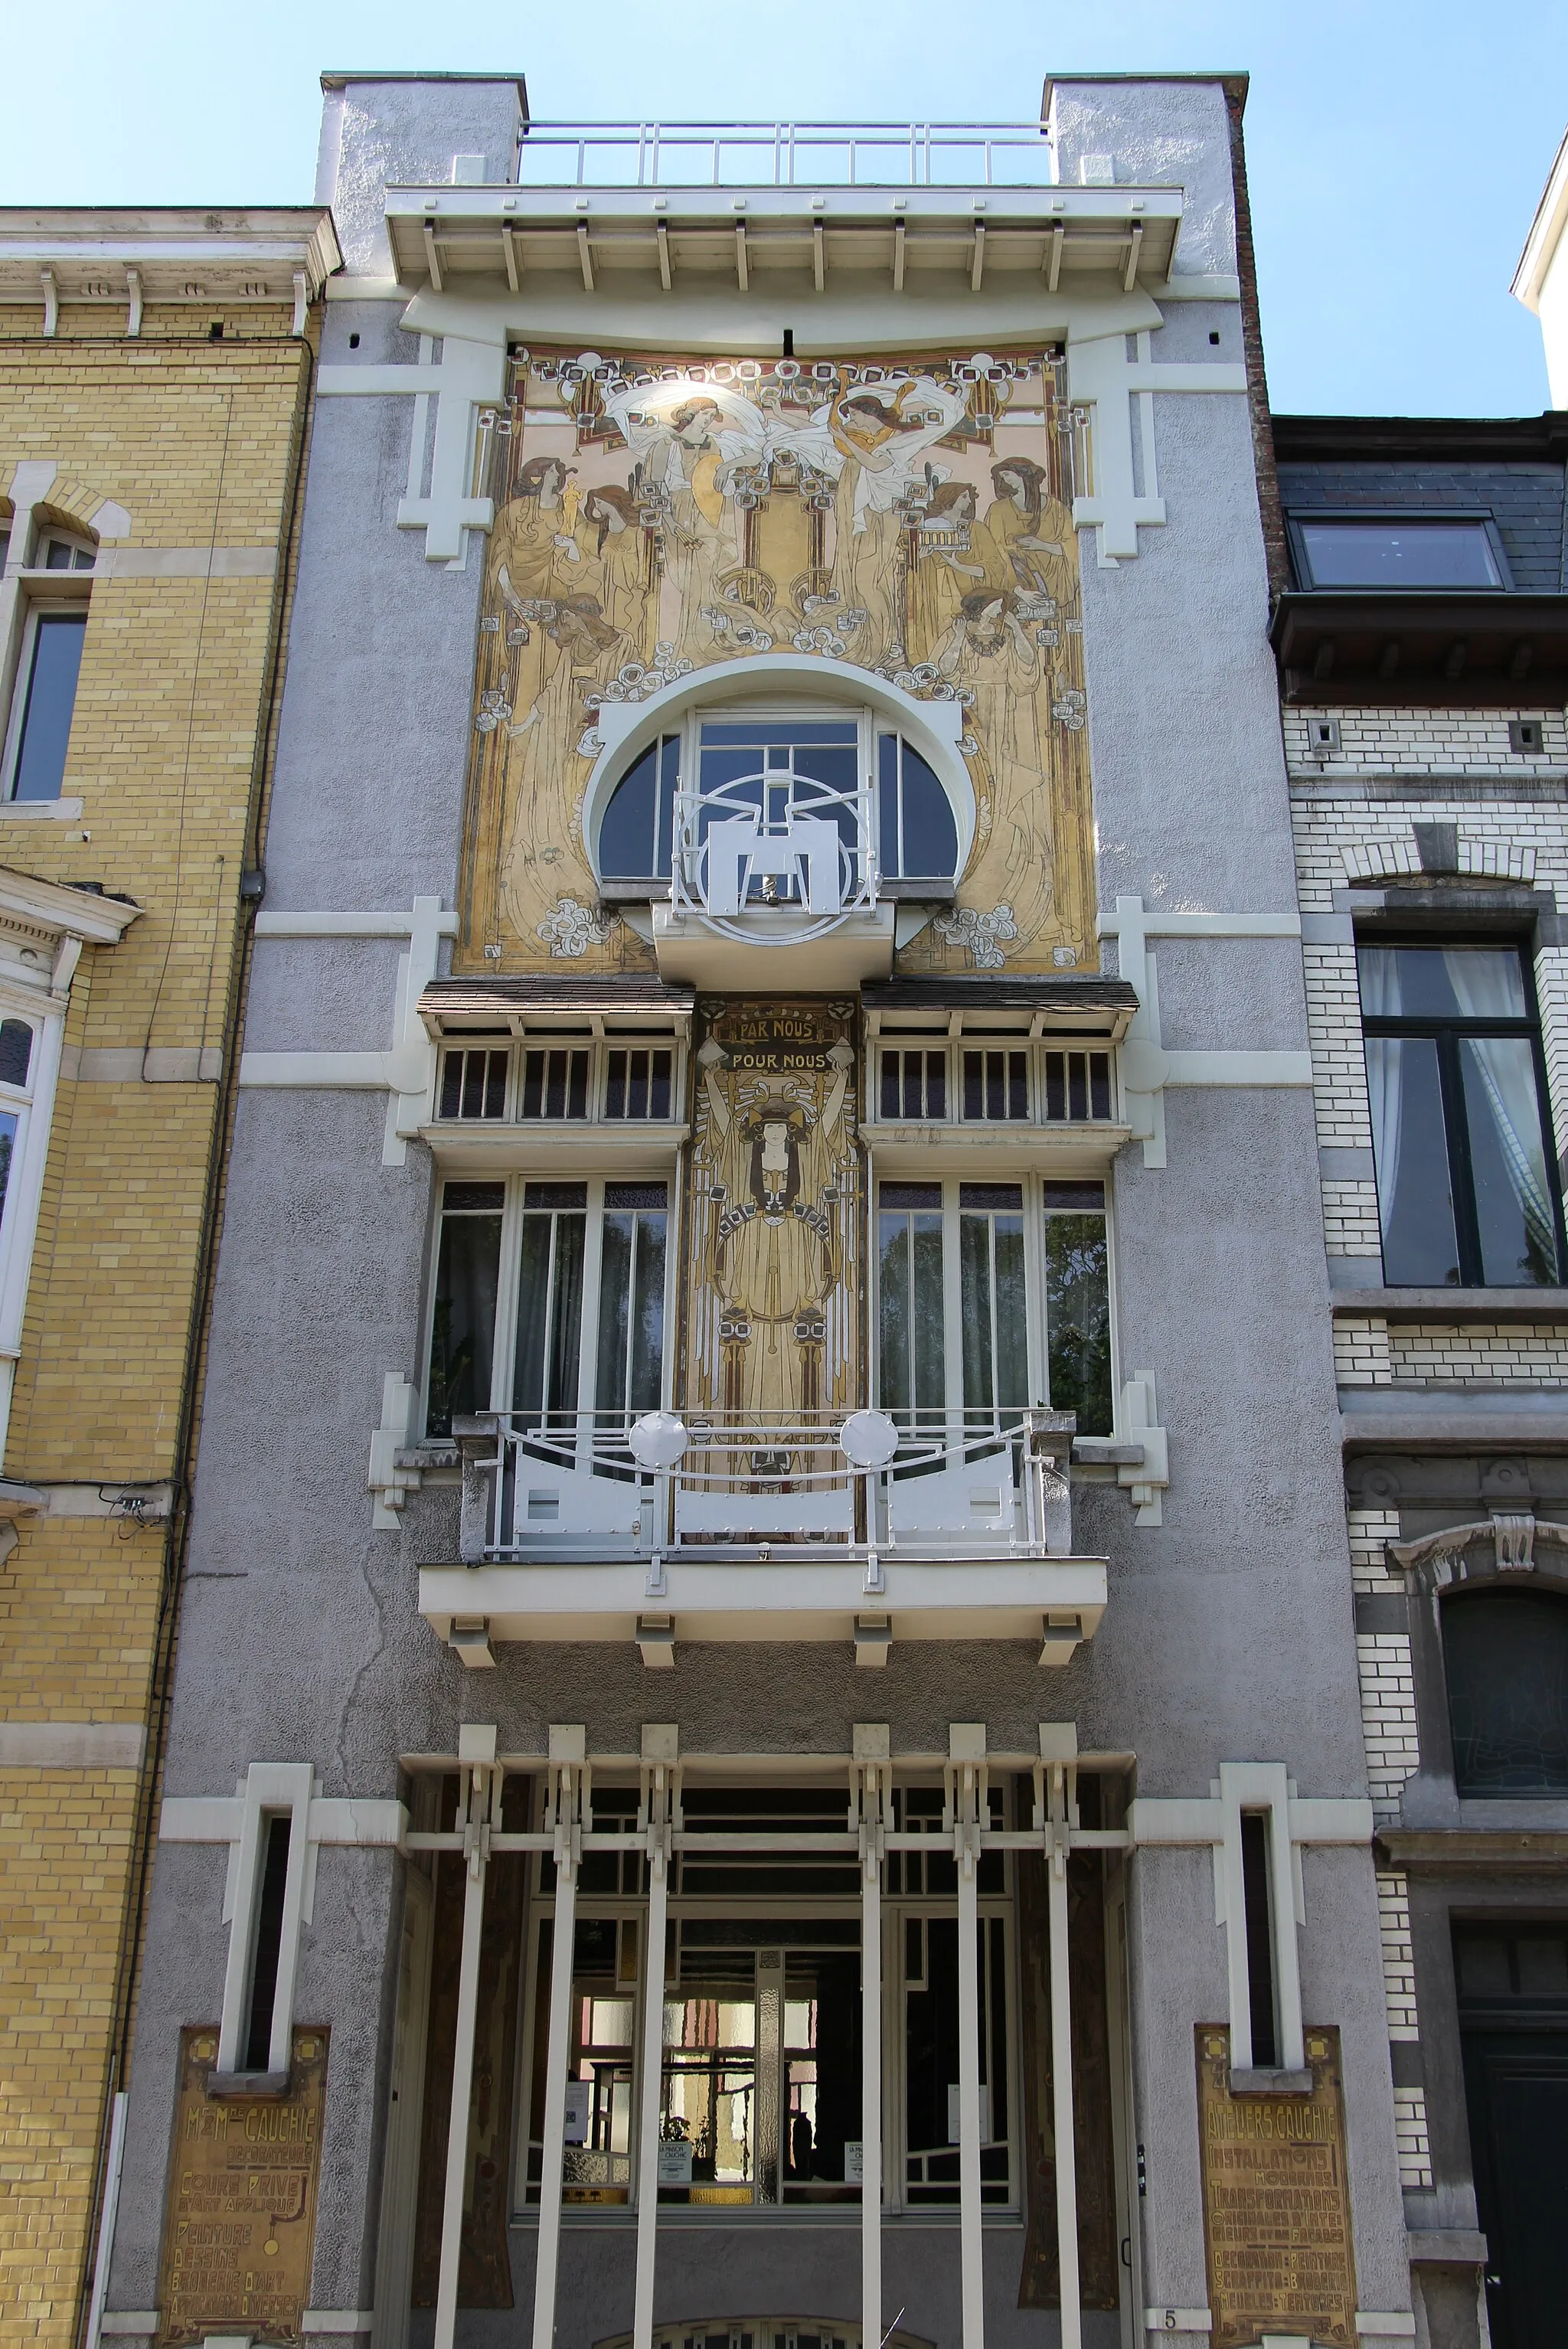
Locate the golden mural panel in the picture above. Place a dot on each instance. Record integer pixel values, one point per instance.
(657, 516)
(242, 2177)
(1276, 2201)
(772, 1268)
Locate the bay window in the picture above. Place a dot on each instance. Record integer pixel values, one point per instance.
(1456, 1087)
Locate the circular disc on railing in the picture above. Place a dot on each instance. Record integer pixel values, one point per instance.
(657, 1440)
(868, 1439)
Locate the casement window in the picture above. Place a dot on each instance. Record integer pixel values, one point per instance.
(48, 658)
(1457, 1088)
(760, 2068)
(992, 1296)
(1399, 554)
(44, 700)
(990, 1082)
(623, 1080)
(550, 1299)
(1505, 1656)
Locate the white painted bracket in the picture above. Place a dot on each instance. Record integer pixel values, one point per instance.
(1126, 486)
(1292, 1822)
(468, 375)
(1135, 1423)
(408, 1071)
(389, 1483)
(1143, 1065)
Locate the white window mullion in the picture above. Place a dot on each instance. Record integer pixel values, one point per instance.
(952, 1310)
(588, 1321)
(504, 1344)
(1037, 1335)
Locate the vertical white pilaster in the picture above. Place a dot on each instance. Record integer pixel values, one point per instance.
(872, 1748)
(967, 1794)
(568, 1803)
(660, 1749)
(480, 1811)
(1058, 1749)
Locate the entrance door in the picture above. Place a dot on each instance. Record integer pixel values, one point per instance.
(1513, 2004)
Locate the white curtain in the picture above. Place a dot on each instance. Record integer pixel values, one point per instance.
(1385, 1073)
(1487, 987)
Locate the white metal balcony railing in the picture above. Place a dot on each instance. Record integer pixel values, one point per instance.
(785, 154)
(608, 1486)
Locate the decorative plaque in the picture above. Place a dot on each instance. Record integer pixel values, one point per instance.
(1276, 2201)
(241, 2222)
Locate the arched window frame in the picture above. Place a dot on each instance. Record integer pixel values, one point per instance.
(774, 685)
(1464, 1592)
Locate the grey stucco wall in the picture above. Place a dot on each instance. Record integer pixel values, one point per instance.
(1228, 1635)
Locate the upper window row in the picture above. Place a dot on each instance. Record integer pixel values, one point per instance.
(1399, 552)
(919, 1083)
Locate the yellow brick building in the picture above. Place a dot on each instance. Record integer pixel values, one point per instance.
(154, 406)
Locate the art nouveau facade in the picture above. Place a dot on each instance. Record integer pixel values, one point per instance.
(766, 1706)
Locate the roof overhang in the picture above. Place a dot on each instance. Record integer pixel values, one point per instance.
(181, 254)
(1545, 234)
(450, 236)
(1432, 651)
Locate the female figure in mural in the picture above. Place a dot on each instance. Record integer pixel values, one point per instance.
(881, 435)
(947, 566)
(615, 562)
(1029, 532)
(534, 551)
(990, 651)
(547, 767)
(687, 441)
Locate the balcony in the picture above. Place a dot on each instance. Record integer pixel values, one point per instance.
(785, 154)
(874, 1527)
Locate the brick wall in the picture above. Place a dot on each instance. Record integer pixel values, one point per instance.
(199, 442)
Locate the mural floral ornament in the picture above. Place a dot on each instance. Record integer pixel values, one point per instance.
(983, 937)
(573, 928)
(660, 517)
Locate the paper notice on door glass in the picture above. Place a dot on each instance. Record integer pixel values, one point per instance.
(579, 2111)
(854, 2162)
(675, 2165)
(952, 2114)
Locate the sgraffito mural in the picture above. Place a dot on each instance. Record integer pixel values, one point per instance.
(656, 516)
(772, 1270)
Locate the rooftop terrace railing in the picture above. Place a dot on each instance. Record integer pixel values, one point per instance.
(786, 155)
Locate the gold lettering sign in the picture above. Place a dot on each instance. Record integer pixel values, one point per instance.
(1276, 2201)
(240, 2222)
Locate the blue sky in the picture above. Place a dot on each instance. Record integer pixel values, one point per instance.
(1395, 148)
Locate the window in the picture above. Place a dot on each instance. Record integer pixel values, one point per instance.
(993, 1082)
(917, 834)
(758, 774)
(1505, 1653)
(45, 700)
(16, 1066)
(1399, 552)
(57, 552)
(1456, 1086)
(992, 1296)
(473, 1084)
(548, 1301)
(569, 1080)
